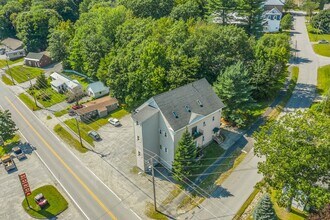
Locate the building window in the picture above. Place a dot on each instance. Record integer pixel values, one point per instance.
(165, 134)
(160, 131)
(137, 137)
(139, 153)
(204, 124)
(137, 123)
(203, 138)
(160, 147)
(213, 118)
(166, 149)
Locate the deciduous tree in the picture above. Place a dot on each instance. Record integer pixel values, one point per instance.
(41, 82)
(286, 22)
(297, 152)
(321, 22)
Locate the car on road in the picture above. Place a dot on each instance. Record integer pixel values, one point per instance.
(75, 107)
(323, 41)
(94, 135)
(114, 121)
(8, 162)
(19, 154)
(40, 200)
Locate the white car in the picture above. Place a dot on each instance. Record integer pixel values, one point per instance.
(114, 121)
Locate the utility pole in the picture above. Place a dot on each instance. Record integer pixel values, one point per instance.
(34, 95)
(11, 75)
(78, 128)
(153, 183)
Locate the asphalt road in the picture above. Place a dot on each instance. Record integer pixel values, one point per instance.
(93, 198)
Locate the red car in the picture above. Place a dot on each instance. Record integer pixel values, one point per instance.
(75, 107)
(40, 200)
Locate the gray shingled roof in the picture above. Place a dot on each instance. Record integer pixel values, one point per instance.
(274, 2)
(176, 101)
(144, 113)
(12, 43)
(34, 56)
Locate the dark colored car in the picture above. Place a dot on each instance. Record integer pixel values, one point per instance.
(2, 51)
(94, 135)
(75, 107)
(19, 154)
(40, 200)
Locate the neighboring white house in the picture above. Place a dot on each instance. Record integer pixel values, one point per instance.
(272, 20)
(63, 84)
(97, 89)
(270, 4)
(160, 122)
(15, 54)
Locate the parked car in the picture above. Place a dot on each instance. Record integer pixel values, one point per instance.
(114, 121)
(8, 162)
(94, 135)
(72, 112)
(323, 41)
(75, 107)
(40, 200)
(2, 51)
(19, 154)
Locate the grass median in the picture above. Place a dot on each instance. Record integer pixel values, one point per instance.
(28, 102)
(323, 79)
(56, 203)
(69, 139)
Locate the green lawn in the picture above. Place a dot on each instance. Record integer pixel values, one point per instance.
(20, 73)
(9, 144)
(67, 138)
(212, 152)
(28, 102)
(6, 80)
(56, 203)
(83, 81)
(61, 113)
(282, 214)
(322, 49)
(3, 63)
(54, 97)
(323, 79)
(317, 37)
(84, 129)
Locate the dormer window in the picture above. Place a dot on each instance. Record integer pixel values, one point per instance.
(187, 108)
(175, 114)
(199, 103)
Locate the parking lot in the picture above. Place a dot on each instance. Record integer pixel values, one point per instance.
(37, 175)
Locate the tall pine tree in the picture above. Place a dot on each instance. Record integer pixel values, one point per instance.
(234, 89)
(265, 210)
(7, 125)
(184, 156)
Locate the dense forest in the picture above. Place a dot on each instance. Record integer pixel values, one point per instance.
(144, 47)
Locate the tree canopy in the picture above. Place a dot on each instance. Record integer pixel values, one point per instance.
(321, 21)
(7, 125)
(297, 162)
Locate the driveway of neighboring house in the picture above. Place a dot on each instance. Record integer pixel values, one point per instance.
(234, 191)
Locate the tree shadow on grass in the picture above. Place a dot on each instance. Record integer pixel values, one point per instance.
(43, 212)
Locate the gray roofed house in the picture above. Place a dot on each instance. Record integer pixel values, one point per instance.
(97, 89)
(37, 59)
(12, 43)
(160, 122)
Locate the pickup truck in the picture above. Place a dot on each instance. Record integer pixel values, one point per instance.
(8, 162)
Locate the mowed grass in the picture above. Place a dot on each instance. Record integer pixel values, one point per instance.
(21, 73)
(28, 102)
(323, 79)
(54, 97)
(9, 144)
(282, 214)
(56, 203)
(6, 80)
(82, 80)
(322, 49)
(3, 63)
(67, 138)
(84, 129)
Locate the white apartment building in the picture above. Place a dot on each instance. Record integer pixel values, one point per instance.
(160, 121)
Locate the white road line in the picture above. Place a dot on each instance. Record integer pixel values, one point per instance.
(68, 148)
